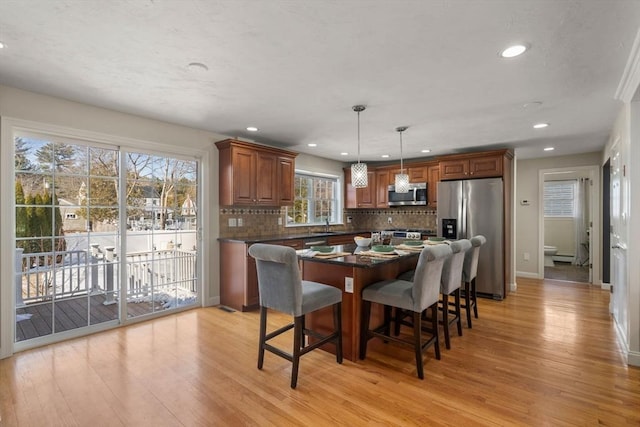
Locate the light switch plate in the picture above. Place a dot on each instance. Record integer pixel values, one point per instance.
(233, 222)
(240, 222)
(348, 284)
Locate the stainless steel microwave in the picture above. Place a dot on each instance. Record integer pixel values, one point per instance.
(416, 196)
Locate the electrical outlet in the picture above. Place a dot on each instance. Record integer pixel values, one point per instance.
(348, 284)
(279, 221)
(240, 222)
(233, 222)
(526, 256)
(349, 219)
(390, 220)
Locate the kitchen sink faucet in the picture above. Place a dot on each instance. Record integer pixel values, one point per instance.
(326, 224)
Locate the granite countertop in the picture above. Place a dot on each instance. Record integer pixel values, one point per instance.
(265, 239)
(354, 258)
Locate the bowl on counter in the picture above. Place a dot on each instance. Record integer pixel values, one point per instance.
(322, 249)
(437, 239)
(413, 242)
(382, 248)
(362, 241)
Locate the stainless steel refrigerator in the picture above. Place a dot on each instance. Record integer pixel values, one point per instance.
(471, 207)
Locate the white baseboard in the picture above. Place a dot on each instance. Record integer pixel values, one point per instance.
(633, 358)
(527, 275)
(605, 286)
(513, 287)
(213, 301)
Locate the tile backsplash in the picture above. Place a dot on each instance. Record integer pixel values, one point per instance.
(244, 222)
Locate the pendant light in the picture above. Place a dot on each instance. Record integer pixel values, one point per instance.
(359, 173)
(402, 179)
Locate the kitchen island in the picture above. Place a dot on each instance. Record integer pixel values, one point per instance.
(351, 274)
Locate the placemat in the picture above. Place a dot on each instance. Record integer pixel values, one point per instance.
(331, 254)
(378, 254)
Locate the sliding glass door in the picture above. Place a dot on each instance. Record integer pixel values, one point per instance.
(102, 234)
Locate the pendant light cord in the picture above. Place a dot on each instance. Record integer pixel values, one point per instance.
(358, 136)
(401, 164)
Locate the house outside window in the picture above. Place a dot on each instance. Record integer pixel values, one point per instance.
(317, 199)
(559, 199)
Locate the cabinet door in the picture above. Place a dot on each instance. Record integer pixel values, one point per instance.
(293, 243)
(488, 166)
(366, 197)
(266, 179)
(454, 169)
(344, 239)
(244, 176)
(286, 176)
(350, 201)
(251, 293)
(382, 188)
(433, 177)
(418, 174)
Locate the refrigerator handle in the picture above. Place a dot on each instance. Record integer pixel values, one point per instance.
(462, 233)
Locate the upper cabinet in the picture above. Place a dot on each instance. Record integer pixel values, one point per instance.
(359, 197)
(480, 165)
(433, 177)
(488, 164)
(252, 174)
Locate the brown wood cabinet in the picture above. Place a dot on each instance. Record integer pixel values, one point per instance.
(360, 197)
(433, 177)
(252, 174)
(343, 239)
(382, 188)
(471, 166)
(457, 166)
(238, 276)
(417, 174)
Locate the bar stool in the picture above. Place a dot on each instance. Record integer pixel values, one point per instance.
(410, 298)
(450, 285)
(282, 289)
(469, 272)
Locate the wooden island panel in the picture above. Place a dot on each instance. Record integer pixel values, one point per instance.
(334, 274)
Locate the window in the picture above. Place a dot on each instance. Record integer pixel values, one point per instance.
(559, 198)
(316, 200)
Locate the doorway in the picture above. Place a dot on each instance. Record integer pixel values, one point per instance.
(568, 223)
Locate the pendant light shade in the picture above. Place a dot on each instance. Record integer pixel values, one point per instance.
(359, 173)
(402, 179)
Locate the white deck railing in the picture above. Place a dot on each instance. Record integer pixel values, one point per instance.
(43, 276)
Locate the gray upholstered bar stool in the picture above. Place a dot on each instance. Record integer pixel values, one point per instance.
(282, 289)
(412, 298)
(450, 285)
(469, 272)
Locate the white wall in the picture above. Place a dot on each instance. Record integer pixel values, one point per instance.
(18, 105)
(561, 233)
(527, 216)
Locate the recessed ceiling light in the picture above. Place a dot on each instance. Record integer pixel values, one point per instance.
(513, 51)
(540, 125)
(2, 45)
(532, 104)
(425, 151)
(312, 145)
(252, 129)
(385, 156)
(197, 66)
(548, 149)
(344, 153)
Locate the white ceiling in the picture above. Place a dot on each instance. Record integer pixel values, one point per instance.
(294, 69)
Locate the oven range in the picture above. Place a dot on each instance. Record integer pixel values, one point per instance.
(405, 234)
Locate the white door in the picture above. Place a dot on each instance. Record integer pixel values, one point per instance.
(619, 289)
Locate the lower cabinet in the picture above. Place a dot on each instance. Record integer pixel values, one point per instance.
(238, 276)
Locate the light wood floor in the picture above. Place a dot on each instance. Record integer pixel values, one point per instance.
(544, 356)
